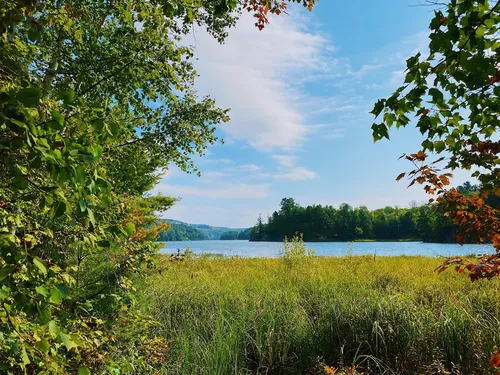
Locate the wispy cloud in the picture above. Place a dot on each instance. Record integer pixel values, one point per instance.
(285, 160)
(225, 191)
(244, 167)
(289, 170)
(297, 174)
(252, 73)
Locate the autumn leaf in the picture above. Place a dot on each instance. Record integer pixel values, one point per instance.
(400, 176)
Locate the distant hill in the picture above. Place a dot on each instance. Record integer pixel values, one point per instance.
(191, 232)
(181, 232)
(236, 235)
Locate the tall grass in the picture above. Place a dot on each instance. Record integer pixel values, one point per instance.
(389, 314)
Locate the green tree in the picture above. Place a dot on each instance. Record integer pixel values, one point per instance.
(454, 94)
(95, 96)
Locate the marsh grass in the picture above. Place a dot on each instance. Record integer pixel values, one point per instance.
(389, 315)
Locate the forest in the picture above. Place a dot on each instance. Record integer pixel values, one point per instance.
(326, 223)
(236, 235)
(181, 232)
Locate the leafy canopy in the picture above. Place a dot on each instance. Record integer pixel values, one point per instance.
(453, 92)
(95, 97)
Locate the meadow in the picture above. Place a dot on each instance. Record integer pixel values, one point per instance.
(312, 315)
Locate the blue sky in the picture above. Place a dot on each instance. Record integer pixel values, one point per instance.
(300, 92)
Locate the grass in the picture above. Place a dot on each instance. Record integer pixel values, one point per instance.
(391, 315)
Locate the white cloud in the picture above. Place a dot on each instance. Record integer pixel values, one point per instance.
(297, 174)
(225, 191)
(290, 171)
(249, 167)
(252, 73)
(285, 160)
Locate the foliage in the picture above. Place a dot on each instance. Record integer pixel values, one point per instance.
(454, 93)
(245, 234)
(95, 97)
(230, 235)
(181, 232)
(394, 314)
(326, 223)
(295, 255)
(236, 235)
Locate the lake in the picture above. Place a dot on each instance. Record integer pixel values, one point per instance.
(271, 249)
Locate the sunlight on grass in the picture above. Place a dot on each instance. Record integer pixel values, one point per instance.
(392, 315)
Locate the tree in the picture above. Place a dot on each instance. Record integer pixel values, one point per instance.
(454, 94)
(95, 96)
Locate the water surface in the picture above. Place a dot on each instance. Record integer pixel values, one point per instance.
(271, 249)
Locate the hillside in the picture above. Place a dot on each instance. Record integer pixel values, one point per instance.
(193, 232)
(181, 232)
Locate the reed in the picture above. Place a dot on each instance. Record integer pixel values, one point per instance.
(391, 315)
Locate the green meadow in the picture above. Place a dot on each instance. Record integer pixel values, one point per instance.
(384, 315)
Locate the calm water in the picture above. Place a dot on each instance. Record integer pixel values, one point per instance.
(270, 249)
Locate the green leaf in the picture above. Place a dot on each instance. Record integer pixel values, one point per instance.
(91, 216)
(40, 265)
(113, 127)
(97, 124)
(53, 328)
(379, 106)
(130, 229)
(57, 117)
(67, 96)
(83, 205)
(480, 31)
(42, 290)
(436, 94)
(58, 293)
(6, 270)
(427, 145)
(80, 175)
(24, 357)
(56, 296)
(29, 96)
(43, 345)
(83, 371)
(380, 131)
(67, 341)
(4, 294)
(439, 146)
(60, 208)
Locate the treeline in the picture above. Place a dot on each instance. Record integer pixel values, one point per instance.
(327, 223)
(181, 232)
(236, 235)
(345, 223)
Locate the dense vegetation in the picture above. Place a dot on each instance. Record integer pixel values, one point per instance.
(450, 95)
(285, 315)
(181, 232)
(95, 98)
(236, 235)
(326, 223)
(213, 233)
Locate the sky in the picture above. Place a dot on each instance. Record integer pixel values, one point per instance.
(300, 93)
